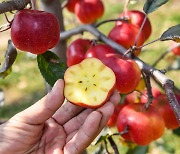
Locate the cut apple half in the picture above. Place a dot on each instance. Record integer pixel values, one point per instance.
(89, 83)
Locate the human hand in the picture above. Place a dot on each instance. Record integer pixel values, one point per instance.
(52, 128)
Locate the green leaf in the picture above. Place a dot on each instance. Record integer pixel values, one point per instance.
(51, 67)
(177, 131)
(173, 33)
(152, 5)
(138, 150)
(10, 58)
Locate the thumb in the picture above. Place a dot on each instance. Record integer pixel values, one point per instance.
(42, 110)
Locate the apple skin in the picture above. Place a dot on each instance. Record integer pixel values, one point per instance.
(127, 72)
(76, 51)
(125, 35)
(144, 126)
(113, 119)
(71, 5)
(161, 103)
(99, 51)
(88, 11)
(136, 18)
(35, 31)
(176, 51)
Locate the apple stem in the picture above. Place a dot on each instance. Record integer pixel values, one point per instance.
(164, 54)
(126, 6)
(109, 20)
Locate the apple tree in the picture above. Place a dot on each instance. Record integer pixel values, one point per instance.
(93, 68)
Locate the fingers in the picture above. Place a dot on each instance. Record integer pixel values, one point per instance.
(115, 98)
(90, 129)
(85, 135)
(45, 108)
(75, 123)
(66, 112)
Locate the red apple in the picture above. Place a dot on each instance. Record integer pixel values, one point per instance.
(125, 35)
(99, 51)
(88, 11)
(76, 51)
(176, 51)
(128, 73)
(35, 31)
(136, 18)
(161, 103)
(89, 83)
(144, 126)
(71, 5)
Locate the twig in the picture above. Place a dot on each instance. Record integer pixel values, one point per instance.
(113, 144)
(149, 89)
(64, 4)
(140, 30)
(142, 46)
(169, 87)
(105, 143)
(11, 5)
(164, 54)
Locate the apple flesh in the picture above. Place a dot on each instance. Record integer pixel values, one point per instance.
(125, 35)
(144, 125)
(76, 51)
(88, 11)
(136, 18)
(89, 83)
(35, 31)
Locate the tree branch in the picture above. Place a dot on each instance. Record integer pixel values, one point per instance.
(11, 5)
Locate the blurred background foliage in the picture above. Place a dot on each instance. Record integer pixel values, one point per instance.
(25, 85)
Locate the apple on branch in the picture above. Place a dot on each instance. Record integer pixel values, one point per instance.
(89, 83)
(35, 31)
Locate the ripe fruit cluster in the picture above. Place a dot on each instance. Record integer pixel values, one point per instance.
(144, 125)
(127, 72)
(87, 11)
(125, 32)
(35, 31)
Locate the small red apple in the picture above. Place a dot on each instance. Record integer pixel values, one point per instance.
(77, 50)
(125, 35)
(161, 103)
(89, 83)
(99, 51)
(128, 73)
(144, 125)
(136, 18)
(176, 51)
(71, 5)
(35, 31)
(88, 11)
